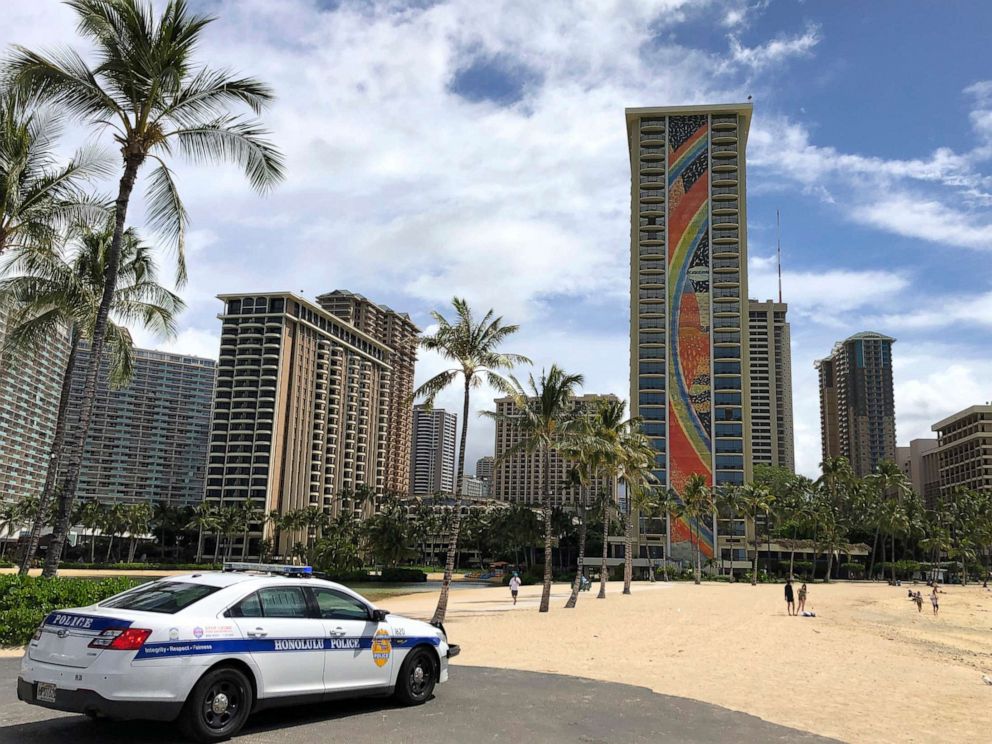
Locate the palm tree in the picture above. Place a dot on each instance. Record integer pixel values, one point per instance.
(229, 521)
(473, 347)
(137, 520)
(636, 463)
(250, 514)
(90, 519)
(755, 500)
(835, 483)
(607, 505)
(9, 523)
(112, 524)
(697, 503)
(39, 197)
(594, 449)
(545, 419)
(204, 520)
(49, 291)
(147, 90)
(669, 504)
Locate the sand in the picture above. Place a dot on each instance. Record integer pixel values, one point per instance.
(868, 668)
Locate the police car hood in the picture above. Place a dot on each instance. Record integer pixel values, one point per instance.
(67, 635)
(407, 627)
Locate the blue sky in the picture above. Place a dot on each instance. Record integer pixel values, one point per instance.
(478, 149)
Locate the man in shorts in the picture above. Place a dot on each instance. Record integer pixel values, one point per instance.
(515, 586)
(790, 600)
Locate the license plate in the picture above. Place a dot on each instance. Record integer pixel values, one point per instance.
(45, 692)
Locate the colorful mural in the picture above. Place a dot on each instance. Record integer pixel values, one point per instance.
(689, 399)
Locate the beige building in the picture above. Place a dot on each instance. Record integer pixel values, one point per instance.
(30, 385)
(857, 408)
(433, 458)
(689, 360)
(770, 364)
(920, 463)
(964, 450)
(396, 331)
(474, 488)
(520, 478)
(301, 409)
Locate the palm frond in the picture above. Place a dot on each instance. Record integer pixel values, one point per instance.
(168, 215)
(238, 140)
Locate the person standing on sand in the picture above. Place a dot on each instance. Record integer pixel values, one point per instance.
(934, 600)
(802, 600)
(918, 598)
(790, 603)
(515, 586)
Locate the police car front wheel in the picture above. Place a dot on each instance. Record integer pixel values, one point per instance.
(417, 678)
(218, 706)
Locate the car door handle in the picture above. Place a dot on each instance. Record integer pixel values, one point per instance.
(337, 632)
(257, 633)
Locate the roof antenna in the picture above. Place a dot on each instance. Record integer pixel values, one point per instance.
(778, 252)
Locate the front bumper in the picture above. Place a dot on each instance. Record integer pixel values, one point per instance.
(91, 702)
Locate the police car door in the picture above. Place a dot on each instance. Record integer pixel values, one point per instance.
(286, 641)
(359, 651)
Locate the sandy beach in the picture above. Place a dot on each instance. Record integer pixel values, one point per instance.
(868, 668)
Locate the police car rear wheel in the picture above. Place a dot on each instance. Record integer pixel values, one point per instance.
(218, 706)
(417, 678)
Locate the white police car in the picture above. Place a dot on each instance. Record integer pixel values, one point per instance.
(211, 648)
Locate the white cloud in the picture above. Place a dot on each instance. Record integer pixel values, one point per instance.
(916, 217)
(773, 52)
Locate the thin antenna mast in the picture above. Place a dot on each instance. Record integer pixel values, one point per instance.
(778, 252)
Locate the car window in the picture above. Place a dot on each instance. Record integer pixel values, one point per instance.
(339, 606)
(283, 601)
(167, 597)
(250, 606)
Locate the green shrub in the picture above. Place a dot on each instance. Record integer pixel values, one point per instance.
(403, 575)
(24, 601)
(143, 566)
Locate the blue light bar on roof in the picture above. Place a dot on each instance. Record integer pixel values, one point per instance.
(272, 568)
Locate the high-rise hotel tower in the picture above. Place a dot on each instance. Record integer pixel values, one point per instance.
(689, 313)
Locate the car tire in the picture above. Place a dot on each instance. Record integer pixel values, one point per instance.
(218, 706)
(417, 677)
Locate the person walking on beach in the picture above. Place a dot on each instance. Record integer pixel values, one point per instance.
(934, 600)
(515, 586)
(918, 598)
(790, 602)
(802, 600)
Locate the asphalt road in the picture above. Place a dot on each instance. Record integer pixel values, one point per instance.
(477, 705)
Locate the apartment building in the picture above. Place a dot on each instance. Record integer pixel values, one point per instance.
(921, 465)
(301, 409)
(520, 477)
(433, 456)
(688, 280)
(30, 386)
(147, 441)
(770, 365)
(964, 450)
(474, 488)
(857, 408)
(484, 468)
(398, 333)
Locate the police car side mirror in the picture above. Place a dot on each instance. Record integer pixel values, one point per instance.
(379, 616)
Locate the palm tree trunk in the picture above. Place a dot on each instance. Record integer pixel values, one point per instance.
(580, 560)
(754, 571)
(54, 458)
(199, 545)
(456, 518)
(93, 545)
(893, 561)
(110, 545)
(664, 565)
(874, 550)
(244, 545)
(628, 541)
(130, 552)
(216, 547)
(699, 570)
(546, 590)
(603, 568)
(132, 161)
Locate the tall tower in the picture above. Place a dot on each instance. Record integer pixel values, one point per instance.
(433, 456)
(770, 367)
(688, 238)
(857, 408)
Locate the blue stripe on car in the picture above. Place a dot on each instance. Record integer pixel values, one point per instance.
(74, 621)
(271, 645)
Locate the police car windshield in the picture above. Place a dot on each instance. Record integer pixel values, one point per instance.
(167, 597)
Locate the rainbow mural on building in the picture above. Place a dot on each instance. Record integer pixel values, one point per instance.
(689, 380)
